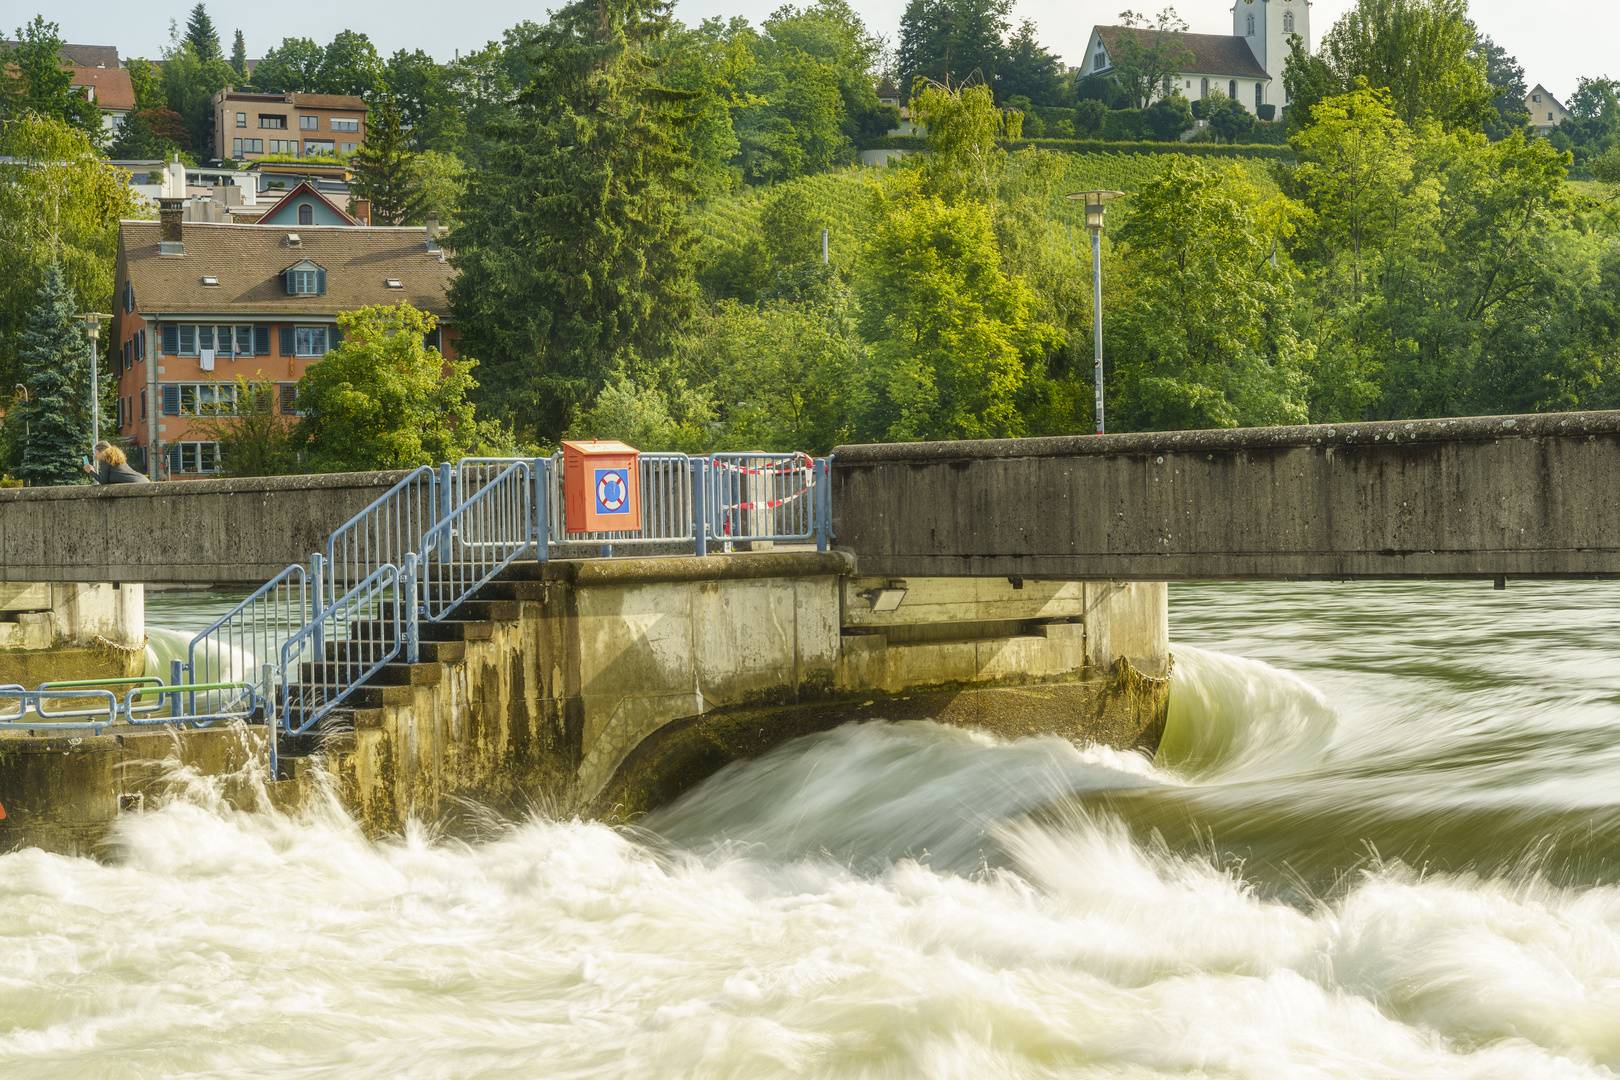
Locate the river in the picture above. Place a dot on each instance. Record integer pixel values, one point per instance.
(1379, 841)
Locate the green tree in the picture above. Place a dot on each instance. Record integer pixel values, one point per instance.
(34, 78)
(442, 180)
(148, 87)
(56, 369)
(951, 336)
(239, 59)
(385, 170)
(61, 205)
(1168, 117)
(1029, 70)
(1204, 336)
(201, 35)
(1506, 78)
(572, 247)
(255, 439)
(1307, 80)
(483, 87)
(383, 400)
(350, 65)
(965, 159)
(293, 67)
(952, 42)
(420, 91)
(1422, 51)
(1228, 119)
(190, 82)
(1150, 51)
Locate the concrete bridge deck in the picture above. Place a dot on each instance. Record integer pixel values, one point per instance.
(1482, 497)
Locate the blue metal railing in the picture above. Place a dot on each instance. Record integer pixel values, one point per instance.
(415, 555)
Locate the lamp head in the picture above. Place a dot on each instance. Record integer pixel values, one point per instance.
(1096, 206)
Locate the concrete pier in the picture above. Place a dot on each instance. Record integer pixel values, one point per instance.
(605, 688)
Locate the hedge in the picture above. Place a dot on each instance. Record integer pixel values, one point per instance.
(894, 142)
(1099, 146)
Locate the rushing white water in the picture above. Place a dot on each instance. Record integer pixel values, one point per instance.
(1388, 886)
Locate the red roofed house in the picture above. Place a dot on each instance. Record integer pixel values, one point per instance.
(110, 89)
(199, 304)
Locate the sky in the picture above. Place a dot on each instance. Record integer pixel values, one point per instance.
(1565, 40)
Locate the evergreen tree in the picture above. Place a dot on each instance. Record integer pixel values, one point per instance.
(573, 251)
(56, 368)
(385, 170)
(239, 59)
(202, 36)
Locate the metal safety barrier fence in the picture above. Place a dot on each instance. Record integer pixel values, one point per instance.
(419, 552)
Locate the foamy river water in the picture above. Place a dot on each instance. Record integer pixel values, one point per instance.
(1380, 841)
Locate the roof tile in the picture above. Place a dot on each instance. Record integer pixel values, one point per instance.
(1213, 54)
(247, 260)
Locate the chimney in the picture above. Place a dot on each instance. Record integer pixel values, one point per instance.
(170, 213)
(362, 211)
(433, 230)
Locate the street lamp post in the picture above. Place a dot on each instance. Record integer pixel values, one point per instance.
(27, 426)
(1096, 209)
(92, 330)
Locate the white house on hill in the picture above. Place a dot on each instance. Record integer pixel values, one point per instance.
(1545, 111)
(1246, 65)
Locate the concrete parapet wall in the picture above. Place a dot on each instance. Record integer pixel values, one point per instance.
(1523, 496)
(197, 532)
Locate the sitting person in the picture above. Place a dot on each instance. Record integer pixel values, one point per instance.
(113, 467)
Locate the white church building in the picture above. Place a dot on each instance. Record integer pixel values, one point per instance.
(1246, 66)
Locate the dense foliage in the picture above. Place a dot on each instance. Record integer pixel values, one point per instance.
(56, 369)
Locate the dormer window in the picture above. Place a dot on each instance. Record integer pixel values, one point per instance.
(294, 240)
(305, 279)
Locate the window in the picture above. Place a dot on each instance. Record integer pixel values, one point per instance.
(1250, 32)
(351, 147)
(305, 282)
(268, 121)
(246, 146)
(185, 339)
(309, 123)
(309, 341)
(241, 119)
(199, 399)
(194, 457)
(1231, 89)
(284, 146)
(342, 124)
(1259, 95)
(1099, 61)
(306, 214)
(1203, 88)
(319, 146)
(1288, 22)
(289, 399)
(1537, 99)
(1549, 116)
(433, 338)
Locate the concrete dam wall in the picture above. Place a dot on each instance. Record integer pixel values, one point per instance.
(608, 687)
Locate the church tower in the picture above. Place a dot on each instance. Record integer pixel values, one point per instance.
(1267, 25)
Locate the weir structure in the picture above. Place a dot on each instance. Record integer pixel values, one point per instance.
(434, 652)
(447, 641)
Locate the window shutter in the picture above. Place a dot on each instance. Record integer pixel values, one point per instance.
(126, 294)
(171, 400)
(292, 282)
(320, 283)
(174, 458)
(171, 339)
(286, 341)
(289, 398)
(261, 341)
(335, 336)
